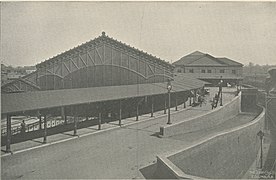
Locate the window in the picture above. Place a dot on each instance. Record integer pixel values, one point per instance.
(233, 71)
(191, 71)
(202, 70)
(179, 70)
(209, 71)
(221, 71)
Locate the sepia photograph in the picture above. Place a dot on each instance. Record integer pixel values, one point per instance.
(138, 89)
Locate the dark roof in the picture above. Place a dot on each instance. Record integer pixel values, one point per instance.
(189, 58)
(198, 58)
(106, 39)
(25, 81)
(230, 62)
(186, 79)
(18, 102)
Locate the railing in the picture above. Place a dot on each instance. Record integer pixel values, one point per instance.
(51, 122)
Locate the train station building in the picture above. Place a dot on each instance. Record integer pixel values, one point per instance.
(208, 68)
(102, 79)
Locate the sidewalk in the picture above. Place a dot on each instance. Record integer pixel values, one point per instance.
(176, 116)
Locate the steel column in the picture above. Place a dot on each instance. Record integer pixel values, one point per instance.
(221, 95)
(120, 113)
(45, 130)
(100, 120)
(152, 106)
(184, 104)
(9, 134)
(137, 112)
(75, 125)
(40, 122)
(62, 113)
(190, 99)
(194, 98)
(165, 106)
(65, 117)
(176, 103)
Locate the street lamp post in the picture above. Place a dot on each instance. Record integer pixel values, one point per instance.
(169, 87)
(220, 90)
(237, 84)
(261, 135)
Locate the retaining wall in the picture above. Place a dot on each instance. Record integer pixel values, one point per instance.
(228, 154)
(208, 120)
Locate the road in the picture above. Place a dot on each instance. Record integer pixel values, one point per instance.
(118, 153)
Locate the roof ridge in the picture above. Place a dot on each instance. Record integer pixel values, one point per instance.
(206, 55)
(136, 49)
(191, 54)
(229, 60)
(216, 59)
(186, 56)
(196, 59)
(105, 37)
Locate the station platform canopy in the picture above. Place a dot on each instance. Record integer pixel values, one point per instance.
(36, 100)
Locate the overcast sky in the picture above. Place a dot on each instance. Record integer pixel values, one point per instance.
(32, 32)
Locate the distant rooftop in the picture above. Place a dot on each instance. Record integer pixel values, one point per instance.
(198, 58)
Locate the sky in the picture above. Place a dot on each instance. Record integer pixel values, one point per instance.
(32, 32)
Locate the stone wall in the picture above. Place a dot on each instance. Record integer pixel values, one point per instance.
(204, 121)
(226, 155)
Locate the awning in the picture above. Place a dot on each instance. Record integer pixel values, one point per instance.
(35, 100)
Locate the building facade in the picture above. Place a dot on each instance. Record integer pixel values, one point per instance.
(209, 68)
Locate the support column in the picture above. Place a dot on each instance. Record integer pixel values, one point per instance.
(221, 96)
(63, 115)
(100, 121)
(176, 103)
(62, 112)
(184, 104)
(165, 108)
(120, 113)
(137, 112)
(75, 125)
(194, 98)
(40, 122)
(152, 106)
(9, 134)
(45, 130)
(65, 118)
(190, 99)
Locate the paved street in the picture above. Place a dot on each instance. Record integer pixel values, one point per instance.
(118, 153)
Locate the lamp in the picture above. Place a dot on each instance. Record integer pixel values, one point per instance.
(169, 88)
